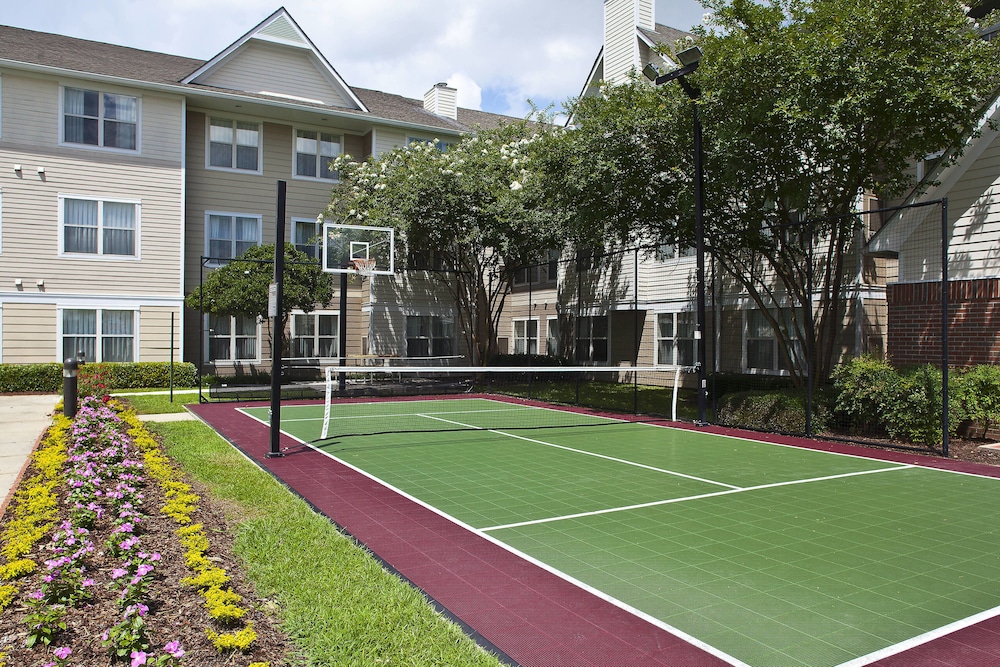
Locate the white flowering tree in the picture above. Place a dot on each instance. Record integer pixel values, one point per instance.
(476, 210)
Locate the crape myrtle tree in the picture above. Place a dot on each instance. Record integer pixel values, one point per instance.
(477, 209)
(240, 287)
(805, 104)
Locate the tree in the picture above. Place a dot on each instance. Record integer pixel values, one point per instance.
(477, 208)
(241, 286)
(805, 104)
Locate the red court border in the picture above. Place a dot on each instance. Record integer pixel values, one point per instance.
(531, 615)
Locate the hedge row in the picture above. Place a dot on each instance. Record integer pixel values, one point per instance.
(114, 376)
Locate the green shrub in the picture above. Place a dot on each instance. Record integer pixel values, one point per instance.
(113, 376)
(867, 388)
(30, 377)
(783, 410)
(979, 391)
(141, 374)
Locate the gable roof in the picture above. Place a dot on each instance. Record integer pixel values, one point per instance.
(281, 29)
(59, 54)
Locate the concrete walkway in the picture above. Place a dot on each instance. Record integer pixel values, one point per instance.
(23, 419)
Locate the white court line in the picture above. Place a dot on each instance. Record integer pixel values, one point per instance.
(581, 451)
(677, 632)
(655, 503)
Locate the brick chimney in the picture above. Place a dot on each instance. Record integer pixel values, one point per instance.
(442, 100)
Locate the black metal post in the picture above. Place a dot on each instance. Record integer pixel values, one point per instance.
(699, 234)
(810, 333)
(342, 320)
(71, 369)
(277, 327)
(944, 326)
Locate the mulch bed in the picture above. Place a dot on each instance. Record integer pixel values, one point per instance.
(177, 612)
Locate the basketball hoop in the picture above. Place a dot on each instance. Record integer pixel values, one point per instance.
(366, 267)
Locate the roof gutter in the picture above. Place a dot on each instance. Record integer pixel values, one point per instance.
(189, 91)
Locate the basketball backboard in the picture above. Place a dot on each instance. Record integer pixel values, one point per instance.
(342, 244)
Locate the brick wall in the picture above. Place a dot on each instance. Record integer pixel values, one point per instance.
(914, 322)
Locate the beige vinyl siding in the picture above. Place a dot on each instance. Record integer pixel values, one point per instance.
(645, 14)
(386, 139)
(154, 333)
(32, 234)
(245, 193)
(619, 39)
(259, 67)
(29, 333)
(32, 121)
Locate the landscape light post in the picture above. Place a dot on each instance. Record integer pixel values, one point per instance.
(690, 59)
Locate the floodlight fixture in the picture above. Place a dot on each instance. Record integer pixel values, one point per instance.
(651, 71)
(689, 56)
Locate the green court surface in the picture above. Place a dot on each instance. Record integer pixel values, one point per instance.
(766, 554)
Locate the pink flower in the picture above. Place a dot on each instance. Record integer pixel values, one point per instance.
(118, 573)
(174, 649)
(63, 652)
(138, 658)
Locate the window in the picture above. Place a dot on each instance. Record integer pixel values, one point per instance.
(668, 251)
(115, 342)
(232, 338)
(526, 336)
(229, 235)
(592, 338)
(429, 336)
(315, 335)
(545, 270)
(675, 341)
(553, 337)
(100, 119)
(99, 227)
(315, 152)
(234, 144)
(762, 343)
(306, 235)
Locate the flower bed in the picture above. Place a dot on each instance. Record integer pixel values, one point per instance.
(107, 559)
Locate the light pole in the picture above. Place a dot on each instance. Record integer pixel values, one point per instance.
(690, 59)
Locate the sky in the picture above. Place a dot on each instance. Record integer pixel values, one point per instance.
(497, 53)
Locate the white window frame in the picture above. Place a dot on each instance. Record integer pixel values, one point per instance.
(552, 326)
(232, 342)
(674, 339)
(317, 245)
(234, 169)
(295, 155)
(591, 338)
(525, 338)
(99, 146)
(316, 337)
(429, 337)
(776, 368)
(98, 347)
(231, 214)
(100, 254)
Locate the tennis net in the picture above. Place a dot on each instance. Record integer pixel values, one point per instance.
(363, 399)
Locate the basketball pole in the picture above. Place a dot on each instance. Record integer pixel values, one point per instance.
(275, 298)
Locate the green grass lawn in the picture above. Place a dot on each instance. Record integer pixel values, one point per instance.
(337, 603)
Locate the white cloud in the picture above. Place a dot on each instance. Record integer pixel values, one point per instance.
(470, 94)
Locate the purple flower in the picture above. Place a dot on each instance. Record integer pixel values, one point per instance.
(36, 594)
(174, 649)
(63, 652)
(87, 582)
(118, 573)
(138, 658)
